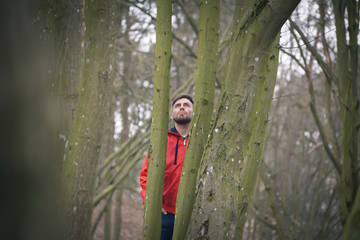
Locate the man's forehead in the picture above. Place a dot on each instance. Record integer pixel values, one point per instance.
(182, 100)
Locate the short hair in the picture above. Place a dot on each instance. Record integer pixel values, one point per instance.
(182, 95)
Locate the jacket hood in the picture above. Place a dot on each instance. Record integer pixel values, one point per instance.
(173, 131)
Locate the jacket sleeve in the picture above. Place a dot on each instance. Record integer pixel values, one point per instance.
(143, 177)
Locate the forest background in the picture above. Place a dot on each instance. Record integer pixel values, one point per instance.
(66, 87)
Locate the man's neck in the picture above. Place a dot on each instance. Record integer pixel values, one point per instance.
(183, 129)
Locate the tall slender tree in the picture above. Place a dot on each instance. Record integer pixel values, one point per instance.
(347, 56)
(124, 105)
(351, 229)
(203, 109)
(160, 116)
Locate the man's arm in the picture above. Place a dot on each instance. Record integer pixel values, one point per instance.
(143, 177)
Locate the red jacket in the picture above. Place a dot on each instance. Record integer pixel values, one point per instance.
(176, 147)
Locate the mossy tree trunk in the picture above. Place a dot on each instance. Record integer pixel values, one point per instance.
(67, 35)
(108, 142)
(61, 38)
(203, 109)
(351, 229)
(347, 56)
(232, 157)
(160, 116)
(83, 150)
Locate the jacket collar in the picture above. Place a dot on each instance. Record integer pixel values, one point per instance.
(174, 131)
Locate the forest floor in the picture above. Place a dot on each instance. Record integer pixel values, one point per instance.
(132, 218)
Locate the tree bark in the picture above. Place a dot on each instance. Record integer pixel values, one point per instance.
(61, 39)
(83, 150)
(203, 108)
(160, 116)
(69, 59)
(347, 57)
(351, 229)
(237, 137)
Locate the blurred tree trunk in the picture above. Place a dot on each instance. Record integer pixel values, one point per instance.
(347, 56)
(330, 125)
(67, 35)
(83, 150)
(28, 151)
(108, 142)
(272, 200)
(351, 229)
(107, 147)
(203, 109)
(237, 138)
(160, 116)
(124, 105)
(61, 38)
(107, 218)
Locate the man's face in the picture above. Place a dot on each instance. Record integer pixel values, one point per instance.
(182, 111)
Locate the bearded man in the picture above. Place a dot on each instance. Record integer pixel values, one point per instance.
(182, 109)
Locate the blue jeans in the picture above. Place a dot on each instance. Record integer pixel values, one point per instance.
(167, 226)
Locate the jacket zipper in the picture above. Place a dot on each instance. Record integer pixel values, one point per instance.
(176, 151)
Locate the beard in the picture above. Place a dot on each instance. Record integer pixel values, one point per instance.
(182, 120)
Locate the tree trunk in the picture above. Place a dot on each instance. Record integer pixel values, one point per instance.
(124, 105)
(203, 109)
(67, 36)
(272, 200)
(107, 218)
(61, 39)
(160, 116)
(28, 152)
(347, 57)
(351, 229)
(83, 150)
(108, 142)
(237, 137)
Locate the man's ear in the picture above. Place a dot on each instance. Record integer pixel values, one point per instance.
(171, 116)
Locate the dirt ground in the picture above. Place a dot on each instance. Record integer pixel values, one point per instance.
(132, 218)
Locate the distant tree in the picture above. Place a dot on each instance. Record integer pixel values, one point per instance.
(351, 230)
(342, 81)
(124, 106)
(347, 60)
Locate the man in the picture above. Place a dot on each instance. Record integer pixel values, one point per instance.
(182, 109)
